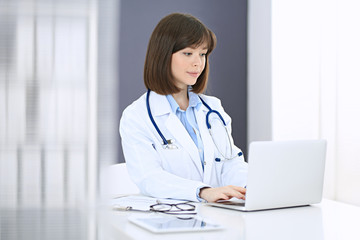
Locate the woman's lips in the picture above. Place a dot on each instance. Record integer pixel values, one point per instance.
(194, 74)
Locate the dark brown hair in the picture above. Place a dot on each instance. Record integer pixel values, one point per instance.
(173, 33)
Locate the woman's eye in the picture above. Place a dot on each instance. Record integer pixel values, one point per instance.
(187, 53)
(203, 54)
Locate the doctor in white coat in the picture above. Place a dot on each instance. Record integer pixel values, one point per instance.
(168, 147)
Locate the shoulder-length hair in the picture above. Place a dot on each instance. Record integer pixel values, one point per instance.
(174, 33)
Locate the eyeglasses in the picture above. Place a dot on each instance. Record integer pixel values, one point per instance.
(176, 209)
(182, 210)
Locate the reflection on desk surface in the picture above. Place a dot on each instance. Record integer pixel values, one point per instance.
(329, 220)
(291, 223)
(45, 224)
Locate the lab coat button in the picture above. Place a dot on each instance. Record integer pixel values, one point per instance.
(204, 163)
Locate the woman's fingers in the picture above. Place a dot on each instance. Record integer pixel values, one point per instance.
(239, 189)
(233, 191)
(222, 193)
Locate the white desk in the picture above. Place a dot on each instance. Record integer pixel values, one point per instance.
(327, 220)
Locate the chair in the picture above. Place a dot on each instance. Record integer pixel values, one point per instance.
(119, 181)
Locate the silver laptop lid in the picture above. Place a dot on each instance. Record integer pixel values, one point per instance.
(285, 173)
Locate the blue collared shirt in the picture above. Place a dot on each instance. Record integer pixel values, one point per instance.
(188, 119)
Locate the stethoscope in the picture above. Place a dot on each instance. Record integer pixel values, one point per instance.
(169, 144)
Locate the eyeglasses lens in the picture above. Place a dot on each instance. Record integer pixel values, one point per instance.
(185, 207)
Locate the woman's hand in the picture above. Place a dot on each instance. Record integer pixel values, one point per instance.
(222, 193)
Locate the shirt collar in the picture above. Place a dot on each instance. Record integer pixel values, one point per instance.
(194, 101)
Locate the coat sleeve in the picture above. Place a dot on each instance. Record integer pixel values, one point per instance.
(144, 164)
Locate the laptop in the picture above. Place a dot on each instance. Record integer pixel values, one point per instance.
(282, 174)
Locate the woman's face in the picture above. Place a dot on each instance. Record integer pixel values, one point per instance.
(187, 65)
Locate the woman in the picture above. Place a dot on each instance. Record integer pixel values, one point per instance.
(167, 146)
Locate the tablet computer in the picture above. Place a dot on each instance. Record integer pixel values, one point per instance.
(165, 224)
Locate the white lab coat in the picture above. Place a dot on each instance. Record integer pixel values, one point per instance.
(174, 173)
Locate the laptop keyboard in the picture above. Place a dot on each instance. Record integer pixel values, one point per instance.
(232, 203)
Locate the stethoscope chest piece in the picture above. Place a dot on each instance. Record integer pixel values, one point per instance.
(170, 144)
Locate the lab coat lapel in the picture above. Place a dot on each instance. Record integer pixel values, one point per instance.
(207, 141)
(160, 107)
(183, 138)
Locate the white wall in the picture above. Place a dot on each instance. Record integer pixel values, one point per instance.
(259, 71)
(315, 51)
(348, 101)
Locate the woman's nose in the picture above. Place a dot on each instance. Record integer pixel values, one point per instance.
(197, 60)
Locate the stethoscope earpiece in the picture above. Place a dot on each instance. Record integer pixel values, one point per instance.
(219, 160)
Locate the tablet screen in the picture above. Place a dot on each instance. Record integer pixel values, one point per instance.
(173, 224)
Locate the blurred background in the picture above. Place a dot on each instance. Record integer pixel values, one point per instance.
(48, 102)
(283, 69)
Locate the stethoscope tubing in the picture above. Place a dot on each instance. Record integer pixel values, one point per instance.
(166, 142)
(152, 119)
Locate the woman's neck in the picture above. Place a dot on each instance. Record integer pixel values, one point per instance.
(182, 99)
